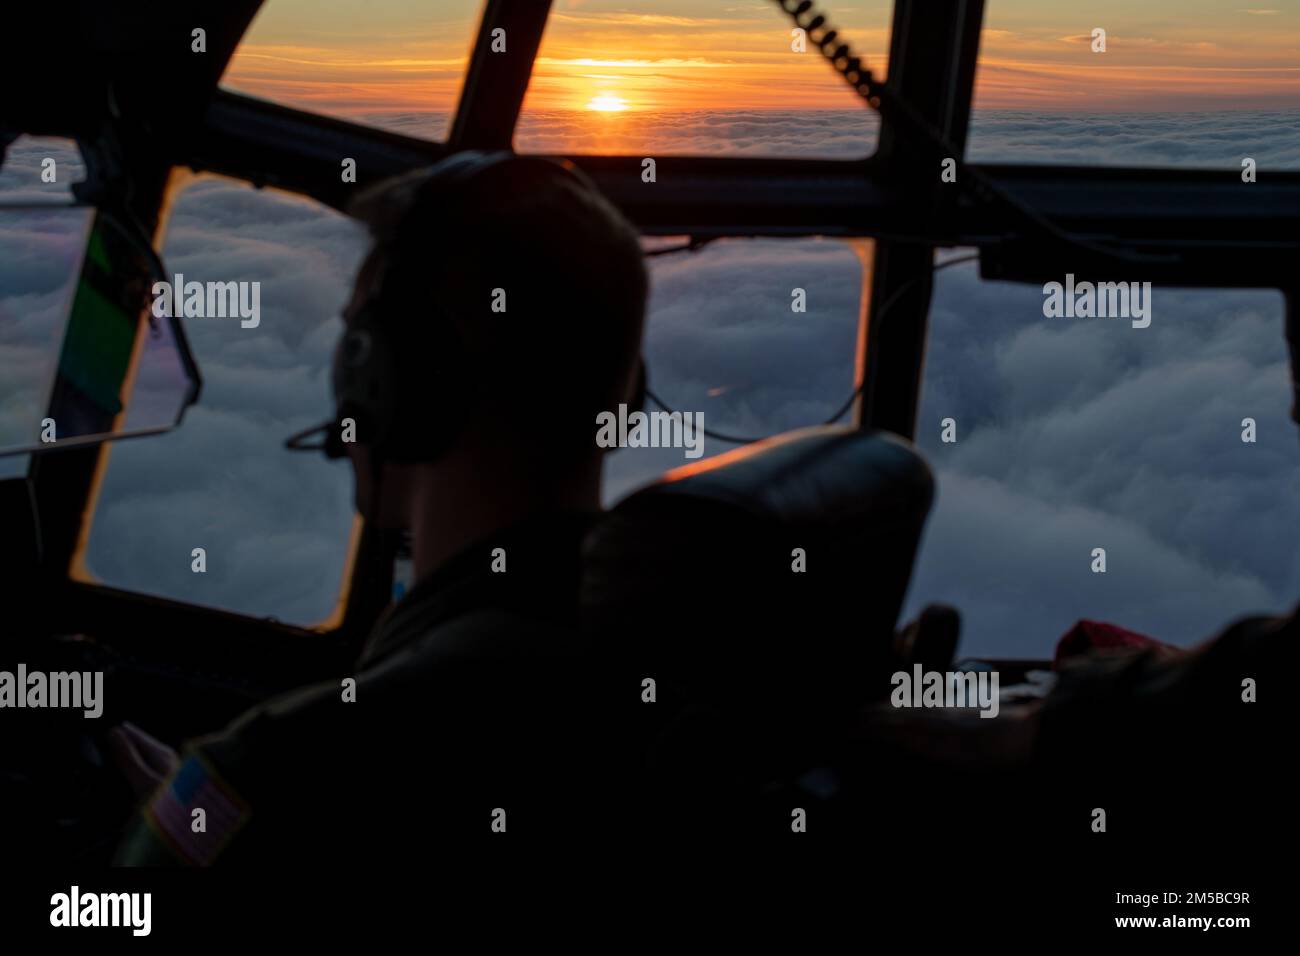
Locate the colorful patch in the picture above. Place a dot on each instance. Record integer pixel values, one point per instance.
(196, 785)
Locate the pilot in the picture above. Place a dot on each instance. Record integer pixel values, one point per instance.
(498, 311)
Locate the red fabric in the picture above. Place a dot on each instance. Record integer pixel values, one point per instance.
(1087, 636)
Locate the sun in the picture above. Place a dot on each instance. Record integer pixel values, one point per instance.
(607, 103)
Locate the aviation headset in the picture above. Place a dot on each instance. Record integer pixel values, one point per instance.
(397, 417)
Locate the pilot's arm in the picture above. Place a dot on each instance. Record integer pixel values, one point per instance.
(435, 744)
(233, 790)
(194, 817)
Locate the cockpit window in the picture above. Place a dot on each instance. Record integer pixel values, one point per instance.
(1125, 459)
(1116, 83)
(747, 338)
(41, 247)
(394, 64)
(666, 77)
(218, 513)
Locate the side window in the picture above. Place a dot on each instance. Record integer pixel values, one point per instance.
(274, 527)
(40, 258)
(751, 337)
(1169, 447)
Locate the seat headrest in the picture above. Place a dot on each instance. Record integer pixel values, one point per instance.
(786, 561)
(813, 476)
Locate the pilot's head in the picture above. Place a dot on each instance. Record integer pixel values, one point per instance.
(498, 312)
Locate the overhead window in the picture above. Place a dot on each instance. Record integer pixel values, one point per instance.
(395, 64)
(667, 77)
(1115, 83)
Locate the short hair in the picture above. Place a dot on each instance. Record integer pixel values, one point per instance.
(573, 276)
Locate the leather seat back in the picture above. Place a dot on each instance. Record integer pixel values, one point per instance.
(769, 578)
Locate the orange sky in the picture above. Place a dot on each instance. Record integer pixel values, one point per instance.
(666, 55)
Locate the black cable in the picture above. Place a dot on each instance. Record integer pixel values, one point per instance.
(853, 396)
(889, 105)
(132, 230)
(119, 216)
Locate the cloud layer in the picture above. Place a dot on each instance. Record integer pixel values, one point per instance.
(1207, 140)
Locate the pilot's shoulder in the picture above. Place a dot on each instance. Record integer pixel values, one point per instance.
(487, 635)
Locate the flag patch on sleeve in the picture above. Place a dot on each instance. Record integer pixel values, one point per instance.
(196, 786)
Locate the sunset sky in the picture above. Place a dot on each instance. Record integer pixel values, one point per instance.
(605, 56)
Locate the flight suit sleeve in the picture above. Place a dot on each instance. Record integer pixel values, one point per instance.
(190, 820)
(233, 789)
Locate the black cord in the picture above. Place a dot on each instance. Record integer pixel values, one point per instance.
(120, 217)
(853, 396)
(889, 105)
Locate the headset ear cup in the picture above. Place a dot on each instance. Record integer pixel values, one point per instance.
(364, 384)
